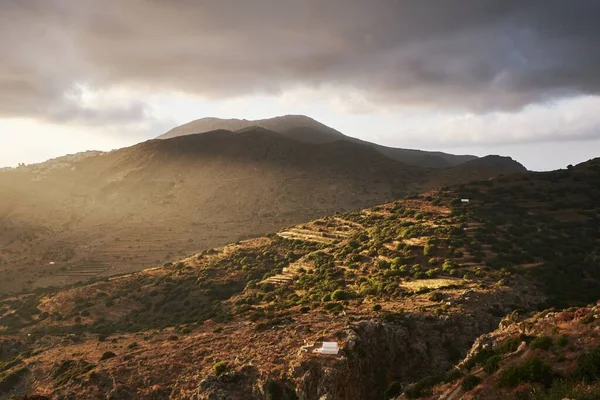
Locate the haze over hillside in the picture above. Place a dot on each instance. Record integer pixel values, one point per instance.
(104, 213)
(305, 129)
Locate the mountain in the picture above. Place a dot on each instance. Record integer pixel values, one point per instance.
(298, 127)
(426, 296)
(98, 214)
(305, 129)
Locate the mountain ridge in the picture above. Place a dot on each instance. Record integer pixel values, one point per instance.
(306, 129)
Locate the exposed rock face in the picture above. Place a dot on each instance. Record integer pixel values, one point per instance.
(228, 386)
(242, 385)
(378, 353)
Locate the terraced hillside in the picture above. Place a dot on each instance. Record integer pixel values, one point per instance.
(164, 199)
(405, 288)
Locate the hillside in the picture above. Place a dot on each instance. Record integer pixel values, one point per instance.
(305, 129)
(550, 355)
(405, 288)
(99, 214)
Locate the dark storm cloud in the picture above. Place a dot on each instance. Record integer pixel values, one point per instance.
(478, 55)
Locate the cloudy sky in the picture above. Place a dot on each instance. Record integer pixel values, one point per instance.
(511, 77)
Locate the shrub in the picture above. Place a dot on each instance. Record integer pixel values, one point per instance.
(219, 368)
(432, 273)
(132, 346)
(423, 387)
(470, 382)
(533, 370)
(541, 342)
(434, 260)
(107, 355)
(452, 375)
(492, 364)
(340, 294)
(393, 390)
(562, 340)
(509, 346)
(588, 365)
(436, 296)
(448, 265)
(428, 250)
(376, 307)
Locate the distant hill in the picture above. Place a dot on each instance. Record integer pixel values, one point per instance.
(298, 127)
(97, 214)
(305, 129)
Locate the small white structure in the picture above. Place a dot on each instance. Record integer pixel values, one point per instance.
(328, 348)
(464, 200)
(51, 263)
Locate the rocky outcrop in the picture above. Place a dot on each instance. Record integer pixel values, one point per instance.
(377, 353)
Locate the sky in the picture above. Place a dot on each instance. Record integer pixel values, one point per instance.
(511, 77)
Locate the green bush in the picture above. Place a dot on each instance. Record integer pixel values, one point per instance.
(219, 368)
(452, 375)
(588, 365)
(492, 364)
(562, 340)
(533, 370)
(340, 294)
(423, 387)
(541, 342)
(393, 390)
(470, 382)
(436, 296)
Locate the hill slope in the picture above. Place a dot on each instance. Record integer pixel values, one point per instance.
(553, 354)
(405, 288)
(305, 129)
(105, 213)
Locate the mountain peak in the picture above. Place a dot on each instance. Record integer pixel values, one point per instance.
(300, 127)
(305, 129)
